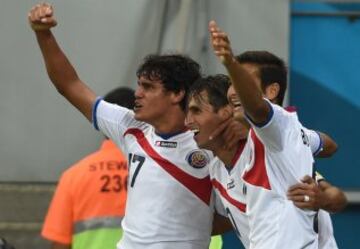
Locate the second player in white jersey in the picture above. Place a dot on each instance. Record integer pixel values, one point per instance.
(169, 197)
(278, 157)
(232, 189)
(206, 107)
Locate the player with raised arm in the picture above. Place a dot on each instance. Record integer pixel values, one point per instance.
(170, 202)
(271, 71)
(276, 156)
(207, 108)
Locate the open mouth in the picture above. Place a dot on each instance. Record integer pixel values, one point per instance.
(195, 131)
(137, 106)
(235, 102)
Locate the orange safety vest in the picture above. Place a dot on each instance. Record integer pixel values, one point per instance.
(89, 202)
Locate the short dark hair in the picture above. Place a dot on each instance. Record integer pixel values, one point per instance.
(176, 72)
(215, 86)
(271, 69)
(122, 96)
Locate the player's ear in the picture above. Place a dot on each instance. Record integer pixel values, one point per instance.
(225, 112)
(272, 91)
(178, 97)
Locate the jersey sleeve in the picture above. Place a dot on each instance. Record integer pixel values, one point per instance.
(58, 224)
(273, 131)
(315, 141)
(113, 120)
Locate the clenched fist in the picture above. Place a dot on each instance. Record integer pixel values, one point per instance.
(41, 17)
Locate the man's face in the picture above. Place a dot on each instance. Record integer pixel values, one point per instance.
(152, 101)
(202, 119)
(234, 101)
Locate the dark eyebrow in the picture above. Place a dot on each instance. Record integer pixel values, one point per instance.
(193, 108)
(145, 83)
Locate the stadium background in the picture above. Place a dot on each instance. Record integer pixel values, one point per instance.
(41, 134)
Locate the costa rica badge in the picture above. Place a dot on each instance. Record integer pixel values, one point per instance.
(197, 159)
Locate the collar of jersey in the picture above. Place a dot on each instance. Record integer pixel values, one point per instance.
(166, 136)
(238, 153)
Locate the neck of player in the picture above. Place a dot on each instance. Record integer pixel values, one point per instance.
(224, 154)
(173, 122)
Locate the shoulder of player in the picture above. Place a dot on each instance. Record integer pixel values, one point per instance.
(118, 112)
(288, 117)
(278, 115)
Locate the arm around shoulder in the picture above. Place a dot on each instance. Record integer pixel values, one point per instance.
(334, 199)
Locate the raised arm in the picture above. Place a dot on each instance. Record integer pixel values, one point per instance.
(244, 83)
(60, 71)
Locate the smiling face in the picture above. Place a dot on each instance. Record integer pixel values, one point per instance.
(202, 119)
(233, 98)
(152, 101)
(234, 102)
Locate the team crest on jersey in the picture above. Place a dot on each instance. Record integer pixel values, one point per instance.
(166, 144)
(197, 159)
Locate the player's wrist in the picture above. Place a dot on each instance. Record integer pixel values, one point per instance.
(228, 61)
(324, 201)
(39, 27)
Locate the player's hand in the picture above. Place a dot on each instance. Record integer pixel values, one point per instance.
(231, 131)
(220, 43)
(306, 195)
(41, 17)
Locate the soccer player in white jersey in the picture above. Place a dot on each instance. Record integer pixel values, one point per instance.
(170, 204)
(279, 154)
(170, 191)
(207, 107)
(271, 71)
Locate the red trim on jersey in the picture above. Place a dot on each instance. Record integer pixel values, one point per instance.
(200, 187)
(238, 152)
(257, 175)
(241, 206)
(291, 109)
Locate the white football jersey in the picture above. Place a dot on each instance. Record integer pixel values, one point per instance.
(230, 189)
(279, 155)
(170, 203)
(326, 232)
